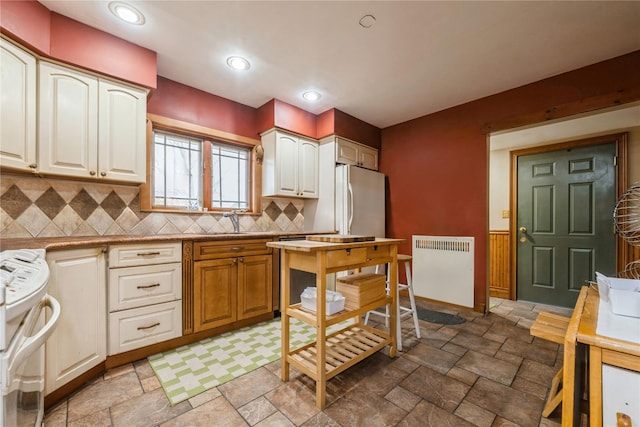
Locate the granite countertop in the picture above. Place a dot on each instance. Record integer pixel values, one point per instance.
(59, 243)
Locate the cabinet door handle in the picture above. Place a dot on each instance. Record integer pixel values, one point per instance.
(92, 173)
(33, 166)
(142, 328)
(155, 285)
(241, 259)
(103, 174)
(148, 253)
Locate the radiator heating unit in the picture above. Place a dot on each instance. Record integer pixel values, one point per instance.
(443, 269)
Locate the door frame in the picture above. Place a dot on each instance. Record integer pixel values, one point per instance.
(621, 172)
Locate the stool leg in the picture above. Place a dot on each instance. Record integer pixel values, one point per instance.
(555, 395)
(412, 298)
(399, 325)
(386, 307)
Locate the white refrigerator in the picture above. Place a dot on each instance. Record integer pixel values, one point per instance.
(352, 201)
(360, 201)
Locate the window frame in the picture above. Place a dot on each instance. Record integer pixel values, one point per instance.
(165, 124)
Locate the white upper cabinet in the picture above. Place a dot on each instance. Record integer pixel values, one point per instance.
(122, 132)
(290, 165)
(68, 133)
(90, 127)
(308, 168)
(352, 153)
(18, 107)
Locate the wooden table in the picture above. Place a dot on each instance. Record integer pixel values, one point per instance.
(584, 345)
(331, 354)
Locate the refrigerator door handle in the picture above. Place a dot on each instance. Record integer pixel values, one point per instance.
(350, 197)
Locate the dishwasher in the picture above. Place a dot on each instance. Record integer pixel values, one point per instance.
(299, 280)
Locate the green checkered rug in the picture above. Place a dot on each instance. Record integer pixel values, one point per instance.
(190, 370)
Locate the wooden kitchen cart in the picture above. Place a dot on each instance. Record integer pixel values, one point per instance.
(331, 354)
(584, 346)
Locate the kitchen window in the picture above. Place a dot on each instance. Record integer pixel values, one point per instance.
(229, 177)
(177, 163)
(196, 171)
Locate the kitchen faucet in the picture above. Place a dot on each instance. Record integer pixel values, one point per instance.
(233, 216)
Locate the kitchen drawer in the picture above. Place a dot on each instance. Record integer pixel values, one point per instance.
(133, 287)
(139, 327)
(346, 257)
(145, 254)
(227, 249)
(377, 252)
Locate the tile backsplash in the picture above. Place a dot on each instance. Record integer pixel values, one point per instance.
(42, 207)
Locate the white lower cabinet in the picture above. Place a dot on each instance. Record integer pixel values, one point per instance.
(78, 343)
(139, 327)
(145, 295)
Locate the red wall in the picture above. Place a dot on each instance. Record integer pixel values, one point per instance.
(266, 116)
(437, 164)
(64, 39)
(355, 129)
(28, 22)
(294, 119)
(325, 123)
(286, 116)
(76, 43)
(180, 102)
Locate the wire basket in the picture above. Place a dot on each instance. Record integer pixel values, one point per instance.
(626, 215)
(631, 271)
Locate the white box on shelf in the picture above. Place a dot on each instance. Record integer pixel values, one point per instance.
(335, 301)
(623, 294)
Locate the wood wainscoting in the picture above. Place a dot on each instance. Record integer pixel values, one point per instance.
(500, 264)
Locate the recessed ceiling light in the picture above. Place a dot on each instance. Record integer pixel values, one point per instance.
(311, 95)
(238, 63)
(126, 12)
(367, 21)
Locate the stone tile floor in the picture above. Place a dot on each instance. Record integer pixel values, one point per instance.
(487, 371)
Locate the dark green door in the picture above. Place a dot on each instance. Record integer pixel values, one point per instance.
(564, 222)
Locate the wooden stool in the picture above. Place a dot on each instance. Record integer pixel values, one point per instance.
(403, 312)
(551, 327)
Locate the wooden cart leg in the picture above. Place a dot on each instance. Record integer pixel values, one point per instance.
(321, 331)
(285, 278)
(284, 350)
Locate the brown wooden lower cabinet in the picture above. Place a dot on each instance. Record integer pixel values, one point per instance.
(227, 289)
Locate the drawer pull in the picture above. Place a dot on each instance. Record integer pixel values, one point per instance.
(237, 248)
(348, 251)
(142, 328)
(155, 285)
(148, 253)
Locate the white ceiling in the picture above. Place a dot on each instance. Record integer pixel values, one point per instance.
(420, 57)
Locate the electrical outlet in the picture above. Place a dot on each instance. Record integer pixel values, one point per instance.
(505, 214)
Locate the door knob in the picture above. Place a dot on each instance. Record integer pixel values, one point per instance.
(523, 229)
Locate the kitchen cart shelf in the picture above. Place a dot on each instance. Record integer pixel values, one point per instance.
(310, 318)
(343, 349)
(331, 354)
